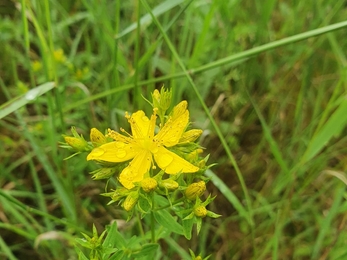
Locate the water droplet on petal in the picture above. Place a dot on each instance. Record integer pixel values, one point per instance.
(164, 160)
(154, 149)
(120, 153)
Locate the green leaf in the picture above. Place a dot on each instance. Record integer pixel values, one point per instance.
(188, 227)
(229, 195)
(146, 251)
(81, 255)
(198, 225)
(114, 239)
(18, 102)
(165, 219)
(144, 204)
(331, 128)
(83, 242)
(119, 255)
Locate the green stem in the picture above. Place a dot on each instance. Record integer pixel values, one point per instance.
(140, 224)
(137, 90)
(153, 227)
(27, 41)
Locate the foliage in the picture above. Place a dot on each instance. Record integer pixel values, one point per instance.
(266, 81)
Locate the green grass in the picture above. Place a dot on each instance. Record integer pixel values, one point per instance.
(266, 81)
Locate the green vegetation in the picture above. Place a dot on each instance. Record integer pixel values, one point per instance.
(265, 80)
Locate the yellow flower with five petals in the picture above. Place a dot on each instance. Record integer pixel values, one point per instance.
(143, 145)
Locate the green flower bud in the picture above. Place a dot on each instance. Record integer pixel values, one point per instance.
(195, 190)
(119, 194)
(97, 137)
(131, 200)
(149, 184)
(200, 212)
(169, 184)
(190, 136)
(202, 164)
(103, 173)
(78, 144)
(162, 100)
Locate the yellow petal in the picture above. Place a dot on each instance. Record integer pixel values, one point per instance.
(97, 137)
(140, 124)
(172, 131)
(179, 109)
(113, 152)
(136, 169)
(171, 163)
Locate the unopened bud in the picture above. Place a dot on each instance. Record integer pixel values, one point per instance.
(190, 136)
(200, 212)
(119, 193)
(103, 173)
(77, 144)
(201, 164)
(169, 184)
(131, 200)
(195, 190)
(162, 100)
(97, 137)
(149, 184)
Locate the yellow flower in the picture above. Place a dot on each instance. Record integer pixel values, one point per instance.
(143, 145)
(59, 56)
(36, 65)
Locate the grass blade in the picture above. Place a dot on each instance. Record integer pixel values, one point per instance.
(18, 102)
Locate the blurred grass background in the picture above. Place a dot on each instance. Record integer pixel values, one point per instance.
(273, 110)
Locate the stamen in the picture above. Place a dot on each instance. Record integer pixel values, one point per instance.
(125, 132)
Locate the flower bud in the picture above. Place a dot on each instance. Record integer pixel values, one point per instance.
(119, 193)
(201, 164)
(131, 200)
(162, 100)
(200, 212)
(97, 137)
(149, 184)
(195, 190)
(78, 144)
(194, 155)
(103, 173)
(190, 136)
(169, 184)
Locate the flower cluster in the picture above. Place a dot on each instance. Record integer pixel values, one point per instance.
(152, 162)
